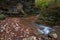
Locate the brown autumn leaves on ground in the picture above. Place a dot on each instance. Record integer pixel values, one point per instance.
(18, 29)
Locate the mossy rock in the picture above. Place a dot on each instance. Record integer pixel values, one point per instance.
(2, 17)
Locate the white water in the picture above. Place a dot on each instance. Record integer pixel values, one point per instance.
(43, 29)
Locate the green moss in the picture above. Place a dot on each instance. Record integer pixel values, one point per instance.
(43, 3)
(58, 3)
(2, 17)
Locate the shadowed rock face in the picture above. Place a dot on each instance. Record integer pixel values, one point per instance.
(12, 7)
(17, 29)
(11, 3)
